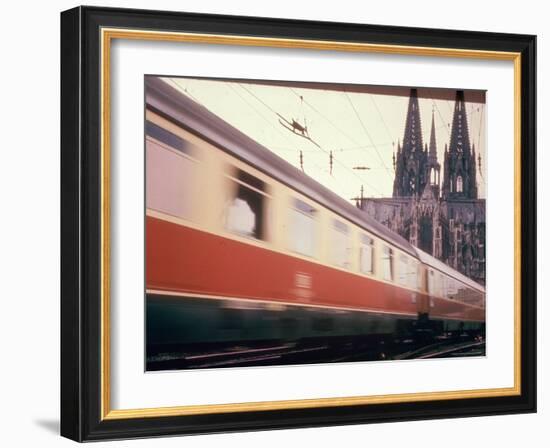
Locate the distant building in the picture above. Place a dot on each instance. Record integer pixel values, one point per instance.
(445, 219)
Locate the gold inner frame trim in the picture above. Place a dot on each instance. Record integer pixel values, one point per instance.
(107, 35)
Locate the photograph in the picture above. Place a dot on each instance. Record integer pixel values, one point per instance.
(293, 222)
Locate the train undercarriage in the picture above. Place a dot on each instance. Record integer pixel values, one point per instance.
(191, 332)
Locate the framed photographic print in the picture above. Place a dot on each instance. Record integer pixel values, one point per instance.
(273, 223)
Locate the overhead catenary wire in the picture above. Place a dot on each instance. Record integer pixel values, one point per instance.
(358, 145)
(362, 180)
(260, 114)
(260, 104)
(259, 99)
(382, 118)
(481, 123)
(345, 134)
(293, 149)
(339, 150)
(367, 133)
(318, 112)
(434, 103)
(299, 152)
(184, 90)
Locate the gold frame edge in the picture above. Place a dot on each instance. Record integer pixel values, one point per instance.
(107, 34)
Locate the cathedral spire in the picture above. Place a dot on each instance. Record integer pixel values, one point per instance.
(410, 163)
(433, 144)
(412, 140)
(460, 135)
(433, 167)
(459, 180)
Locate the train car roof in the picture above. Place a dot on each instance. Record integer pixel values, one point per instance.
(433, 262)
(177, 107)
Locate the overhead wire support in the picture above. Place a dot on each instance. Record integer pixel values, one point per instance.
(309, 139)
(274, 126)
(359, 200)
(296, 128)
(317, 111)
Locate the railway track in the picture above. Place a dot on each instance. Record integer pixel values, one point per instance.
(308, 352)
(450, 348)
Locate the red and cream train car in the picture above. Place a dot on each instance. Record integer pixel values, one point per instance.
(240, 245)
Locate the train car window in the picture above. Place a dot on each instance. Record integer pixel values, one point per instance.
(341, 244)
(245, 214)
(168, 138)
(403, 270)
(413, 274)
(446, 287)
(431, 282)
(171, 176)
(420, 277)
(477, 298)
(451, 288)
(250, 180)
(463, 293)
(387, 263)
(302, 228)
(366, 254)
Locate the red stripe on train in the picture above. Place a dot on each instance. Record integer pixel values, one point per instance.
(185, 260)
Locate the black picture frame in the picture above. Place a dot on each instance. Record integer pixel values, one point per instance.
(82, 415)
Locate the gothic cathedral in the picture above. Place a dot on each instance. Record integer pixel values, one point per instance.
(445, 219)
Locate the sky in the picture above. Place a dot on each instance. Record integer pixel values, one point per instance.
(361, 129)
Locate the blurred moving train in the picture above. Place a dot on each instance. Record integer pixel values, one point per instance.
(241, 246)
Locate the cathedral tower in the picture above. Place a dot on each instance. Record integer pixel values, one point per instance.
(410, 160)
(459, 176)
(446, 220)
